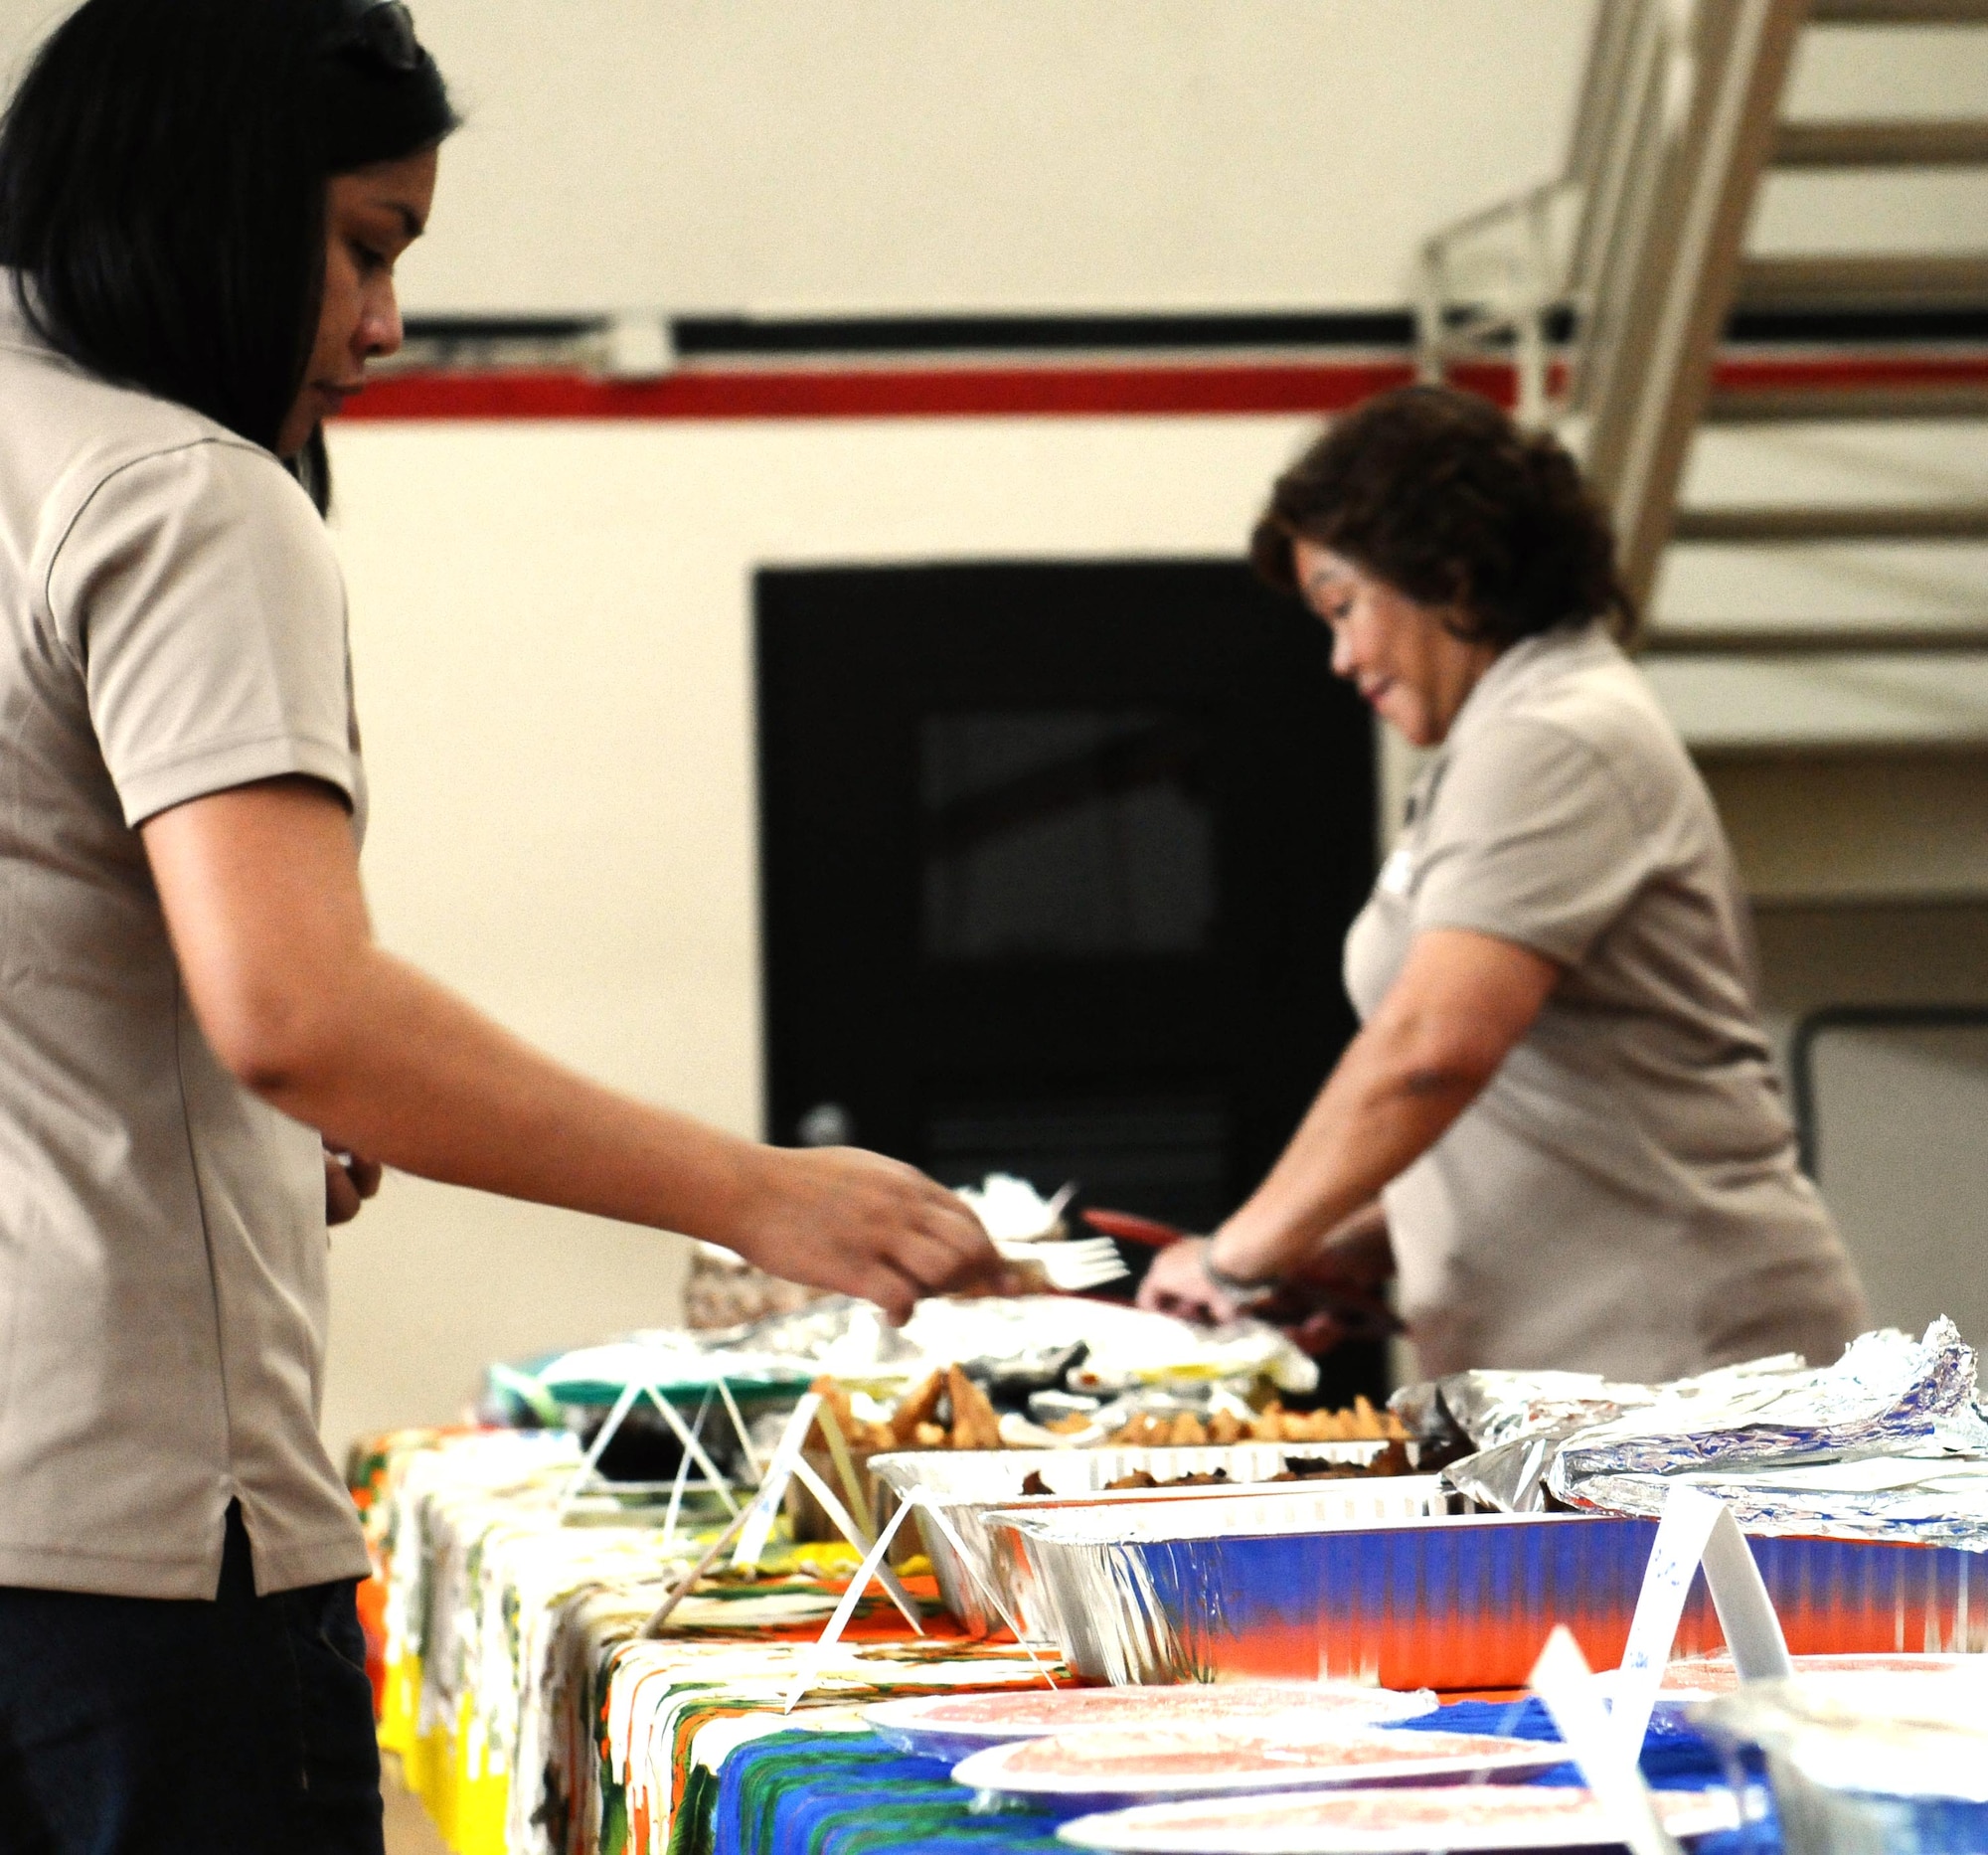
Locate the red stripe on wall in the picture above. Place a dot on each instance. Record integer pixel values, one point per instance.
(1822, 372)
(1039, 391)
(897, 392)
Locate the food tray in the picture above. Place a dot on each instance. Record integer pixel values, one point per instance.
(1074, 1579)
(971, 1483)
(1865, 1761)
(1463, 1602)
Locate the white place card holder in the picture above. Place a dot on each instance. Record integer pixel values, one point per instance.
(739, 1429)
(1565, 1683)
(583, 1476)
(788, 1465)
(859, 1537)
(1697, 1528)
(765, 1506)
(818, 1653)
(752, 1525)
(675, 1510)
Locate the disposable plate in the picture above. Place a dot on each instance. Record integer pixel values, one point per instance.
(1285, 1752)
(1404, 1821)
(951, 1726)
(1701, 1675)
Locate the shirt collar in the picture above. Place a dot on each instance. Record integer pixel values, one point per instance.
(1520, 665)
(14, 329)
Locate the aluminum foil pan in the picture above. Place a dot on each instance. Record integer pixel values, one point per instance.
(1081, 1578)
(1215, 1591)
(971, 1484)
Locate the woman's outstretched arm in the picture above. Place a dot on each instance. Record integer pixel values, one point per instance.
(1462, 1001)
(260, 891)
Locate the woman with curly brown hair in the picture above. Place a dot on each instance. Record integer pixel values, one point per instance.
(1559, 1128)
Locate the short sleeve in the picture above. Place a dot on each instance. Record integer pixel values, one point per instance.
(1532, 838)
(197, 592)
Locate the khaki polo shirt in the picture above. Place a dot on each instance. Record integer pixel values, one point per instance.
(172, 622)
(1623, 1196)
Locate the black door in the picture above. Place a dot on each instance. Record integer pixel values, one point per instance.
(1056, 863)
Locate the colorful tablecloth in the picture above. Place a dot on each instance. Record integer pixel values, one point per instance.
(812, 1794)
(527, 1710)
(534, 1720)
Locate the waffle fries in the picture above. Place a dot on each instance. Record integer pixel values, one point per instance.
(1273, 1424)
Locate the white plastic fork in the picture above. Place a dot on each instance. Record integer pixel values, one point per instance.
(1080, 1264)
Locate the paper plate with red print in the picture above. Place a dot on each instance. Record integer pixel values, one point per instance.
(1286, 1752)
(1404, 1821)
(950, 1726)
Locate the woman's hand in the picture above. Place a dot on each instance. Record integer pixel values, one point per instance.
(1335, 1291)
(854, 1222)
(1342, 1275)
(349, 1180)
(1177, 1283)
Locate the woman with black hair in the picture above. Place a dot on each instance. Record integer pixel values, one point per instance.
(201, 207)
(1559, 1127)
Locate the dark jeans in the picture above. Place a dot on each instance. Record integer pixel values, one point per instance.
(138, 1725)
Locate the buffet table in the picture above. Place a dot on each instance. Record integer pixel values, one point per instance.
(529, 1717)
(567, 1666)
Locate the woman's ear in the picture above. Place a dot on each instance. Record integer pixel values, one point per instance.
(1458, 614)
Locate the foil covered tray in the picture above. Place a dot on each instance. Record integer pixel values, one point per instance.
(970, 1484)
(1212, 1591)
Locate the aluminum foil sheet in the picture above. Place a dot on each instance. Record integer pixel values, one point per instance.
(1457, 1603)
(970, 1484)
(1889, 1442)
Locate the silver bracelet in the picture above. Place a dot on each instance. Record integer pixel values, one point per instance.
(1245, 1294)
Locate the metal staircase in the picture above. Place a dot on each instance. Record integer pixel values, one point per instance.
(1615, 291)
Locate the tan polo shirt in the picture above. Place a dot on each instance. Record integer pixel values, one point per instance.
(1623, 1196)
(172, 622)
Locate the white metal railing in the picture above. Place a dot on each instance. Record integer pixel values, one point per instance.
(1607, 287)
(1522, 281)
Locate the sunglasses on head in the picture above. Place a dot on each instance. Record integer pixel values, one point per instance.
(382, 30)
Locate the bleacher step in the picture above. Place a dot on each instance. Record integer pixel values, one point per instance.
(1966, 521)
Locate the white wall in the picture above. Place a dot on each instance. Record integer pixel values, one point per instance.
(978, 154)
(723, 155)
(766, 155)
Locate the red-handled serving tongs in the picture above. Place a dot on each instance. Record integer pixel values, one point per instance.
(1358, 1315)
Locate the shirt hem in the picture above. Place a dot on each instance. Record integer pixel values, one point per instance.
(112, 1574)
(144, 796)
(1562, 955)
(291, 1567)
